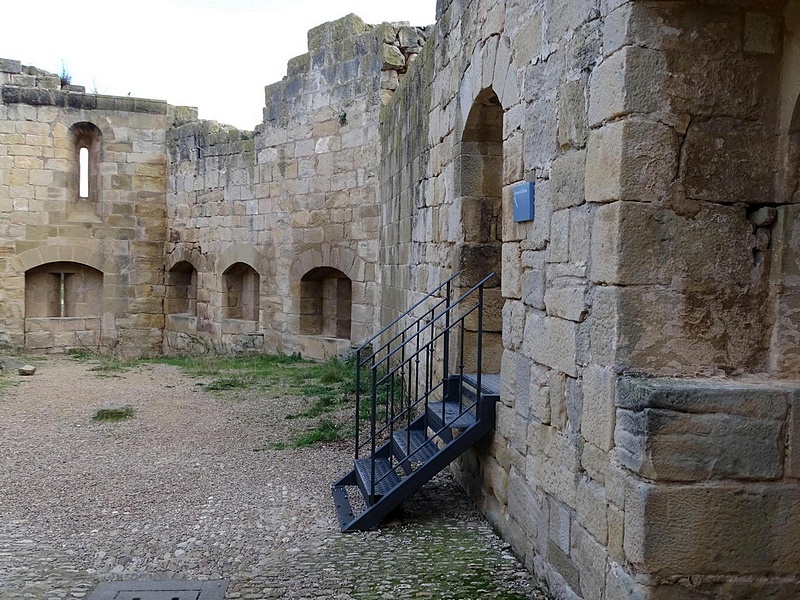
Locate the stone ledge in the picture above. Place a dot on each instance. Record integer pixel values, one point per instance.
(34, 96)
(689, 430)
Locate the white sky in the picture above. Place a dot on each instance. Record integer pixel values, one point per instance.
(216, 55)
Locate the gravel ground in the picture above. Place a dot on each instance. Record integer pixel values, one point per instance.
(190, 488)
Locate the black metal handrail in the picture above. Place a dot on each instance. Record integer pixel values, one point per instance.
(445, 283)
(397, 382)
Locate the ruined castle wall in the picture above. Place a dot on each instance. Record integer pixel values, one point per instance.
(301, 194)
(703, 258)
(650, 132)
(212, 208)
(109, 245)
(681, 205)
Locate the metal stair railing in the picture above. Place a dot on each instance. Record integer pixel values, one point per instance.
(404, 373)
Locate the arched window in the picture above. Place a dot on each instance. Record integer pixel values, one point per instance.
(83, 185)
(63, 290)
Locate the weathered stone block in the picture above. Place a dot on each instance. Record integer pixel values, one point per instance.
(511, 265)
(567, 180)
(560, 524)
(631, 160)
(624, 84)
(552, 462)
(559, 237)
(761, 34)
(681, 430)
(572, 126)
(597, 424)
(667, 330)
(567, 303)
(565, 568)
(533, 288)
(793, 456)
(781, 589)
(552, 342)
(590, 557)
(591, 509)
(721, 158)
(620, 585)
(10, 66)
(557, 388)
(714, 523)
(528, 509)
(595, 462)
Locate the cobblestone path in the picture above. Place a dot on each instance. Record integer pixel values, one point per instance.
(178, 492)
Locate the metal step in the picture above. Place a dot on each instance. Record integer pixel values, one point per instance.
(385, 476)
(344, 512)
(455, 417)
(490, 382)
(421, 447)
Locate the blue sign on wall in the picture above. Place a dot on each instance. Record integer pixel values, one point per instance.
(523, 202)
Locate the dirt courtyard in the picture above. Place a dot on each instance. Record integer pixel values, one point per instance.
(192, 487)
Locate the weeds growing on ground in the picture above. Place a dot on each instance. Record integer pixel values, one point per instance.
(326, 431)
(113, 414)
(329, 386)
(104, 363)
(5, 382)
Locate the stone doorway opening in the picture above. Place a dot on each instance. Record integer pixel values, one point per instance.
(479, 253)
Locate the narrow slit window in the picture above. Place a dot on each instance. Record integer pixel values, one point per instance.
(83, 158)
(62, 290)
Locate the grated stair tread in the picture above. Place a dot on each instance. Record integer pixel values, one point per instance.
(422, 447)
(454, 414)
(385, 476)
(490, 382)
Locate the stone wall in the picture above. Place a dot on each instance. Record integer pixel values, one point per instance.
(644, 324)
(661, 141)
(298, 197)
(118, 230)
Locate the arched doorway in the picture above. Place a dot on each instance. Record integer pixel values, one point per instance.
(480, 168)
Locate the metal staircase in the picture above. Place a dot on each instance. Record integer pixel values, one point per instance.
(421, 402)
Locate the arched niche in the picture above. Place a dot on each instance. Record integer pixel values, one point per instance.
(326, 303)
(242, 292)
(182, 289)
(63, 289)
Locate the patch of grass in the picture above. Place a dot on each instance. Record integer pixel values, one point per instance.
(114, 414)
(202, 365)
(104, 363)
(229, 383)
(5, 382)
(334, 371)
(325, 431)
(328, 386)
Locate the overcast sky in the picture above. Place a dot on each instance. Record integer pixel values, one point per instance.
(214, 54)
